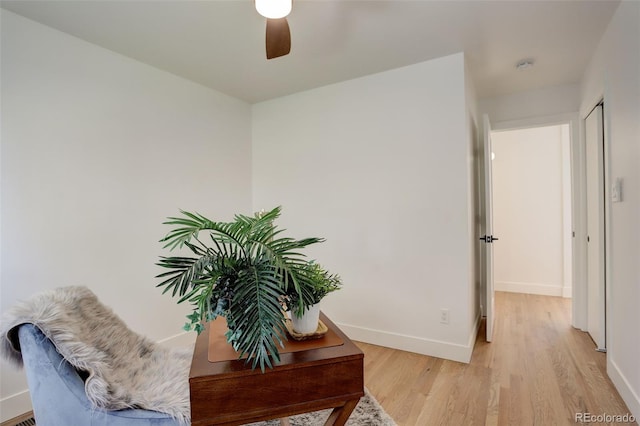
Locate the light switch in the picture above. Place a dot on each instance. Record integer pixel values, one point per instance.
(616, 191)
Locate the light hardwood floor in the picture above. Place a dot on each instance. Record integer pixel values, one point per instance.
(538, 371)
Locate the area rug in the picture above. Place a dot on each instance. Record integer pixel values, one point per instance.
(368, 412)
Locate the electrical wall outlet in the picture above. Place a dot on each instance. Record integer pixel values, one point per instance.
(444, 316)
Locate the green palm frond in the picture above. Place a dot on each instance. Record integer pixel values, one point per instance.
(189, 227)
(255, 309)
(241, 271)
(184, 272)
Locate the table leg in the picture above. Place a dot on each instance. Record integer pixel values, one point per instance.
(285, 421)
(340, 415)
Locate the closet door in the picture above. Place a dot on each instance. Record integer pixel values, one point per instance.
(594, 141)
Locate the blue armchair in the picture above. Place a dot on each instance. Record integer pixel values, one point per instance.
(57, 390)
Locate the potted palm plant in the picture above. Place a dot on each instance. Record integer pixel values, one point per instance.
(305, 318)
(242, 270)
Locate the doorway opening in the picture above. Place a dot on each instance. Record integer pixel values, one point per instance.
(532, 209)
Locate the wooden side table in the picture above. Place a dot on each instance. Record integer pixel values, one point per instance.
(231, 393)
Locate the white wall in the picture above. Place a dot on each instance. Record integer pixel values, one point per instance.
(614, 72)
(529, 172)
(97, 150)
(549, 101)
(379, 166)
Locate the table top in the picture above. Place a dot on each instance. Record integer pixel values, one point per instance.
(201, 366)
(221, 350)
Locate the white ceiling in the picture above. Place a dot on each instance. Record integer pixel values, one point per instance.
(220, 44)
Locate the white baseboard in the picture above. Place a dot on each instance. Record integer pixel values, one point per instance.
(178, 340)
(430, 347)
(530, 288)
(15, 405)
(625, 390)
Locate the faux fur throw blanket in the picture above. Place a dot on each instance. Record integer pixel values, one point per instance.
(125, 370)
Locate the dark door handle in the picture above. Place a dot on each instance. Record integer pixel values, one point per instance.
(488, 238)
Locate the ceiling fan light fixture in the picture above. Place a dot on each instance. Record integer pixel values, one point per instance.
(273, 9)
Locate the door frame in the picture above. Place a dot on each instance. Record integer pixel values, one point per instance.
(580, 320)
(487, 228)
(607, 210)
(601, 345)
(578, 202)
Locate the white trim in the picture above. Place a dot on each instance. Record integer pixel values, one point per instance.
(567, 213)
(624, 388)
(579, 161)
(15, 405)
(180, 339)
(419, 345)
(608, 279)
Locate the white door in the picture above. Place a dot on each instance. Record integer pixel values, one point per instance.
(487, 239)
(594, 141)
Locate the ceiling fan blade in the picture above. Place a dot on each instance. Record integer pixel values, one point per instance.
(278, 39)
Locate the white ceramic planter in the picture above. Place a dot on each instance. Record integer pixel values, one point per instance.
(308, 323)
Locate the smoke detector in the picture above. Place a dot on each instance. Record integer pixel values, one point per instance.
(524, 64)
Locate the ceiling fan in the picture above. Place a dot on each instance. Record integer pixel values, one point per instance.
(278, 36)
